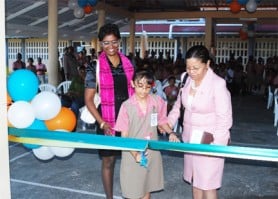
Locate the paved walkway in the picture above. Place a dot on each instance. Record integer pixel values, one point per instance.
(78, 176)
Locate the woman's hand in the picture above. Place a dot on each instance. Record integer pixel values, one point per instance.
(107, 129)
(173, 137)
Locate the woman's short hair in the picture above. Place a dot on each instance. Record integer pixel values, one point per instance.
(109, 29)
(199, 52)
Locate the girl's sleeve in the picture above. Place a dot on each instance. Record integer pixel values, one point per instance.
(122, 120)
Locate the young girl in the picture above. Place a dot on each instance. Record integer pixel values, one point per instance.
(139, 117)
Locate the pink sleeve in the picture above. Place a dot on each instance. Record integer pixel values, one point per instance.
(122, 120)
(223, 114)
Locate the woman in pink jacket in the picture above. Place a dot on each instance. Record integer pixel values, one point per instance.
(208, 108)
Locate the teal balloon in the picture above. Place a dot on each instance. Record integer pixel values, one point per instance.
(82, 3)
(22, 85)
(92, 2)
(242, 2)
(36, 125)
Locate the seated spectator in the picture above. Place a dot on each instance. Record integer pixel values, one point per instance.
(74, 98)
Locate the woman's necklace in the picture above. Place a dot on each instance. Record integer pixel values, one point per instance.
(193, 86)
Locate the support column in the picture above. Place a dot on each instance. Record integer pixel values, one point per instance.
(52, 67)
(4, 143)
(101, 22)
(132, 27)
(94, 43)
(209, 33)
(210, 38)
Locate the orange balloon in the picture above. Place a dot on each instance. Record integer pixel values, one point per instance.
(235, 7)
(9, 100)
(64, 120)
(88, 9)
(9, 124)
(243, 35)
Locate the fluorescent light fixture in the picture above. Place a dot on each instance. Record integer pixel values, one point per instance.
(229, 25)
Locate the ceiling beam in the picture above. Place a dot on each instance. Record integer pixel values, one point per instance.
(63, 10)
(115, 10)
(27, 9)
(86, 26)
(204, 14)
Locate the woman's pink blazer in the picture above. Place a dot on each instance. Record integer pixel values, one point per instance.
(210, 111)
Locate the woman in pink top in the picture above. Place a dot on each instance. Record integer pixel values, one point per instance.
(207, 109)
(139, 117)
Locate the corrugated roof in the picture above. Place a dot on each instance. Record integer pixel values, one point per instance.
(28, 18)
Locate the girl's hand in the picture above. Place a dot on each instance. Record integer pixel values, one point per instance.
(137, 157)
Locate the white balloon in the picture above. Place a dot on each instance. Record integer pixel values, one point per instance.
(21, 114)
(251, 6)
(61, 151)
(251, 33)
(72, 4)
(46, 105)
(78, 12)
(43, 153)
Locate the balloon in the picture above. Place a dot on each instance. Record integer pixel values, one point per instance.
(82, 3)
(78, 12)
(251, 6)
(88, 9)
(21, 114)
(39, 125)
(235, 7)
(251, 33)
(9, 124)
(43, 153)
(92, 2)
(61, 151)
(72, 4)
(9, 100)
(242, 2)
(46, 105)
(64, 120)
(243, 35)
(23, 85)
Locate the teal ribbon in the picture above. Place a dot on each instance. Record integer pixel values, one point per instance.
(76, 139)
(144, 160)
(99, 141)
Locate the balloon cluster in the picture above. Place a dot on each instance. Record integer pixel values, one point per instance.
(81, 7)
(28, 108)
(235, 5)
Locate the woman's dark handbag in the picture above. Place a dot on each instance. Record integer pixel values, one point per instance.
(182, 108)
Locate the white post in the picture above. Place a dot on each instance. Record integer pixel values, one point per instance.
(53, 42)
(4, 143)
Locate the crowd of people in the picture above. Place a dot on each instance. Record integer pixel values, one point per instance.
(39, 69)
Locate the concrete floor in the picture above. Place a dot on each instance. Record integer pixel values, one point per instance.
(78, 176)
